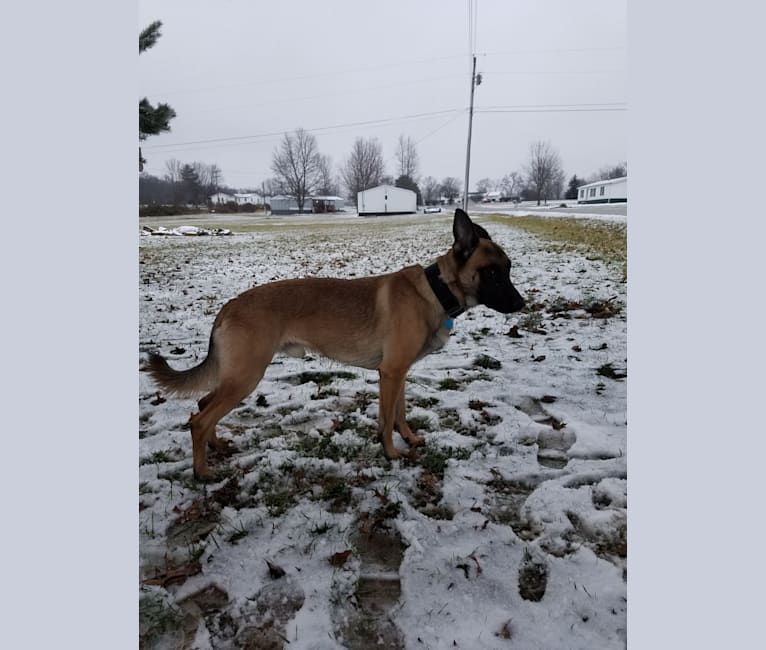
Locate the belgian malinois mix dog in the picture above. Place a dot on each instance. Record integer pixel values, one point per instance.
(384, 322)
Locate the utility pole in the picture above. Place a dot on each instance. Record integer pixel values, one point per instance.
(475, 81)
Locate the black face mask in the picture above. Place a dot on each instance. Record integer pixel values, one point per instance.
(496, 290)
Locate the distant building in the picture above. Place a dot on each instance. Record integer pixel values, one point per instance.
(322, 204)
(614, 190)
(282, 204)
(220, 197)
(252, 198)
(387, 199)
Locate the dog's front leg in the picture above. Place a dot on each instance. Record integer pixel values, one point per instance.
(401, 422)
(391, 385)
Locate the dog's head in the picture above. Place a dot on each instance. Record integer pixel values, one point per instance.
(483, 268)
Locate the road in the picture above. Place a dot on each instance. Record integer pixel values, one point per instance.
(572, 208)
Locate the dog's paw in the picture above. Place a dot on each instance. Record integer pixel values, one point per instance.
(205, 476)
(415, 441)
(222, 446)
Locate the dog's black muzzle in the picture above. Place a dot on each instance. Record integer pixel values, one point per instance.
(501, 296)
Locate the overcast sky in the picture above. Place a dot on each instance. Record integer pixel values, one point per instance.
(240, 72)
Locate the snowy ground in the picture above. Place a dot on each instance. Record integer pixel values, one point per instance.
(508, 532)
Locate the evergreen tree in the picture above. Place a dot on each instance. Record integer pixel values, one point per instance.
(407, 183)
(574, 183)
(152, 120)
(191, 186)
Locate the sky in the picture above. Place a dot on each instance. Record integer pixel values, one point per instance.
(241, 73)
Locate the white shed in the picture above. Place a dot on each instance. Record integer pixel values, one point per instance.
(614, 190)
(387, 199)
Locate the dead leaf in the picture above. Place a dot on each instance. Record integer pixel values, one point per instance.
(339, 559)
(172, 574)
(275, 571)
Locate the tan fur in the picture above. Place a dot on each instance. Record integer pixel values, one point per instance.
(384, 322)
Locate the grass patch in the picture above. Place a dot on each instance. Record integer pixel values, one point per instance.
(608, 370)
(601, 240)
(425, 402)
(420, 423)
(434, 459)
(157, 617)
(449, 384)
(323, 378)
(485, 361)
(337, 491)
(158, 457)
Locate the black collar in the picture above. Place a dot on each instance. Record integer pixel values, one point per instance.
(442, 292)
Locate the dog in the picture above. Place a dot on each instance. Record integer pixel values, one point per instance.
(384, 323)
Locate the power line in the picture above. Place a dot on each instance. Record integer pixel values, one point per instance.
(549, 72)
(382, 66)
(542, 106)
(550, 110)
(551, 50)
(314, 75)
(239, 139)
(332, 94)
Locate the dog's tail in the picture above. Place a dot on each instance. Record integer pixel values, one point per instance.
(184, 383)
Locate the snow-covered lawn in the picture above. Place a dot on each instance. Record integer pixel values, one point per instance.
(509, 531)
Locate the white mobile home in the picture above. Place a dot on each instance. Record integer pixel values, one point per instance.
(614, 190)
(220, 198)
(254, 199)
(387, 199)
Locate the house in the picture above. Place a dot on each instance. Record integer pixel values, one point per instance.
(490, 197)
(252, 198)
(614, 190)
(386, 199)
(220, 197)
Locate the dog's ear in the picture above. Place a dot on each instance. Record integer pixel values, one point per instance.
(480, 232)
(466, 237)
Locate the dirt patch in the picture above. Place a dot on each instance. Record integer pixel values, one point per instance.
(508, 502)
(533, 578)
(369, 622)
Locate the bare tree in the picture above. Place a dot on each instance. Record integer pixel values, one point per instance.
(431, 190)
(364, 167)
(173, 176)
(203, 175)
(328, 182)
(216, 178)
(295, 164)
(610, 171)
(512, 184)
(450, 187)
(407, 157)
(485, 185)
(273, 187)
(544, 170)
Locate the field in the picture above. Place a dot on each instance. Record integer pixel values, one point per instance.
(508, 531)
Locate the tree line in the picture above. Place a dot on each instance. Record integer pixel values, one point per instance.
(300, 170)
(542, 177)
(182, 184)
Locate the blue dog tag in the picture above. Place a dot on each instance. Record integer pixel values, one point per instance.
(449, 323)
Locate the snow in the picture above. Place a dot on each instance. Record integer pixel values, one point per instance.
(534, 455)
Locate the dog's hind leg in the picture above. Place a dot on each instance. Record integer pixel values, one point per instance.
(214, 442)
(400, 422)
(217, 404)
